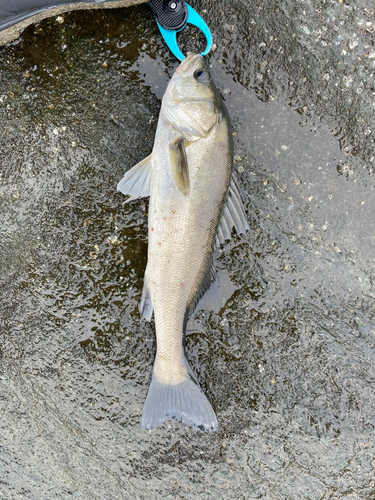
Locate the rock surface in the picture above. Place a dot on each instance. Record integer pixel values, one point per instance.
(287, 359)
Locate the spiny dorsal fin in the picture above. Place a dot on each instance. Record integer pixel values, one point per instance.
(137, 181)
(233, 216)
(179, 165)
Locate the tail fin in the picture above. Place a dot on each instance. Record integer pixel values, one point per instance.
(184, 402)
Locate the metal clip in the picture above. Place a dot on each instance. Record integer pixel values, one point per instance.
(172, 17)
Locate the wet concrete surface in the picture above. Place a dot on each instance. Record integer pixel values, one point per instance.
(287, 360)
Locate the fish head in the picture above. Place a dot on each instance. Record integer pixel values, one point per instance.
(191, 103)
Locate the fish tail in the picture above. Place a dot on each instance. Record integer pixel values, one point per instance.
(184, 402)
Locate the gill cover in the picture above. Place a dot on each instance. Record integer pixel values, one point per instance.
(189, 104)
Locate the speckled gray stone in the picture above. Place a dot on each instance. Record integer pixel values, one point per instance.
(288, 360)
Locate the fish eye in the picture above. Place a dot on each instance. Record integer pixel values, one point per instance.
(202, 75)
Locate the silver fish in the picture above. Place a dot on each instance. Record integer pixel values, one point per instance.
(194, 203)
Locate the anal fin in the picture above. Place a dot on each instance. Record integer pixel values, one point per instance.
(145, 307)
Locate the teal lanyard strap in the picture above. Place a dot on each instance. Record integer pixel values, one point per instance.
(169, 33)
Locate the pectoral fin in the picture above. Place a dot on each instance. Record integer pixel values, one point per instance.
(179, 164)
(137, 181)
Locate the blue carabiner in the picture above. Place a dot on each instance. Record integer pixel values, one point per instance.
(170, 35)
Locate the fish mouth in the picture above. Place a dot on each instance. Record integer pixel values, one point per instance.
(186, 64)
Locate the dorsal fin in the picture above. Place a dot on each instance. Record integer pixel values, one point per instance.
(233, 215)
(209, 278)
(137, 181)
